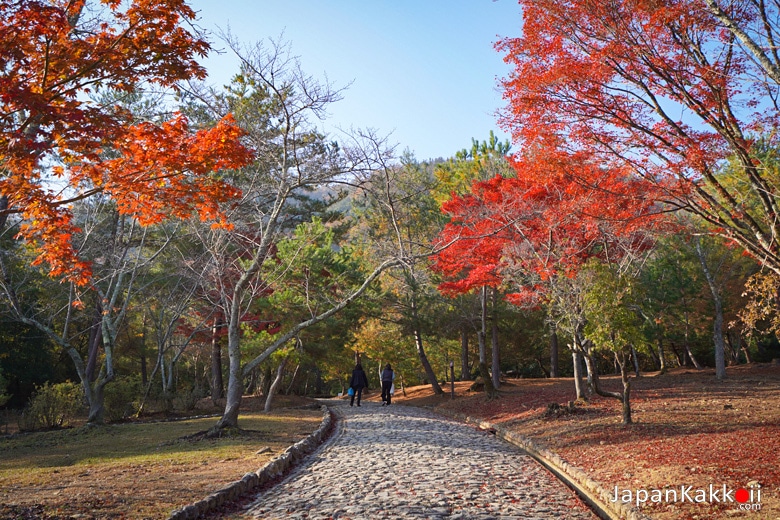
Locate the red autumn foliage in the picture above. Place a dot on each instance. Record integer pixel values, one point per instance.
(53, 54)
(660, 88)
(545, 221)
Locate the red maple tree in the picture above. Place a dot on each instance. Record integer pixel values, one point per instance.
(663, 89)
(55, 141)
(544, 222)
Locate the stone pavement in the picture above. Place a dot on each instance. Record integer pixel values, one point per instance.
(404, 462)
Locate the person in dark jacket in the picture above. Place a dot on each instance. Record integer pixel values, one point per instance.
(358, 382)
(387, 383)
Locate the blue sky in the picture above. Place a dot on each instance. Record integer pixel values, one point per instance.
(423, 71)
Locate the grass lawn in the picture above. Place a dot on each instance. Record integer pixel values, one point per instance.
(137, 470)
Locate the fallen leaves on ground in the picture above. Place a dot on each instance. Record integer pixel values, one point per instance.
(689, 430)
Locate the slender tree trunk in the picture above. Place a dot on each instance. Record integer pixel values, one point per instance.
(251, 386)
(217, 384)
(266, 380)
(465, 370)
(418, 342)
(292, 380)
(720, 349)
(626, 400)
(554, 369)
(680, 358)
(742, 346)
(95, 335)
(579, 384)
(717, 326)
(429, 373)
(496, 365)
(97, 409)
(144, 368)
(688, 344)
(661, 354)
(635, 360)
(277, 381)
(624, 395)
(541, 366)
(235, 389)
(586, 350)
(733, 349)
(483, 367)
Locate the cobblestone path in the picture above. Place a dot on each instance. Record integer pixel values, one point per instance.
(404, 462)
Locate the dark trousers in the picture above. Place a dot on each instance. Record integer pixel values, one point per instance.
(358, 393)
(386, 385)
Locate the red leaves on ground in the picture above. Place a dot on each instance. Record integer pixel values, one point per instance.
(690, 430)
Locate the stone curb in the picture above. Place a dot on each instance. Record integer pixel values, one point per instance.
(274, 468)
(589, 490)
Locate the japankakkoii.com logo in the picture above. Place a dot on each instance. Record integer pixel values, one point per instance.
(744, 498)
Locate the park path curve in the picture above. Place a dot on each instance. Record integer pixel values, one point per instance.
(408, 463)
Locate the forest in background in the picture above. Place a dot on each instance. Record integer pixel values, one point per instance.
(163, 241)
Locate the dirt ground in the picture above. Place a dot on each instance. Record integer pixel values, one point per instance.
(689, 430)
(141, 470)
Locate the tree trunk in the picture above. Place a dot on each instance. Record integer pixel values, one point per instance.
(541, 366)
(483, 368)
(496, 361)
(720, 349)
(251, 385)
(292, 381)
(235, 389)
(97, 409)
(680, 358)
(624, 395)
(275, 385)
(733, 349)
(579, 385)
(217, 384)
(95, 337)
(635, 360)
(743, 346)
(554, 369)
(429, 373)
(586, 350)
(661, 358)
(717, 326)
(418, 342)
(465, 370)
(266, 380)
(144, 368)
(688, 345)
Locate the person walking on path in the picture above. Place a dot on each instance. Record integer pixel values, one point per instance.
(358, 382)
(387, 384)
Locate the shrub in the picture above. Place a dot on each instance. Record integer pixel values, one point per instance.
(122, 397)
(3, 386)
(188, 399)
(52, 406)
